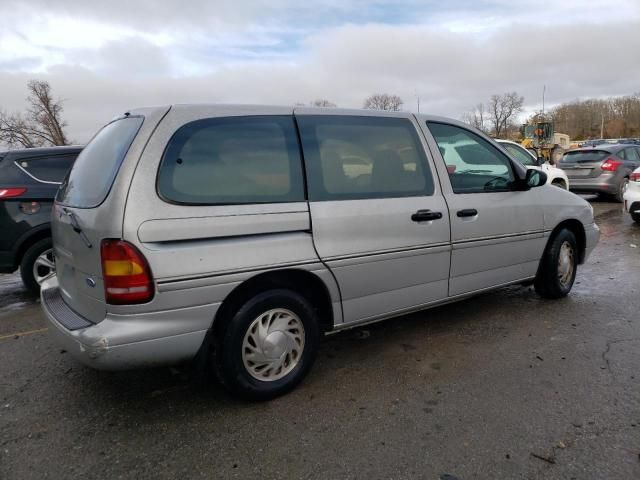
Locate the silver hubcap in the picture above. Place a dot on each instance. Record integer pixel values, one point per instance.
(44, 266)
(566, 264)
(273, 344)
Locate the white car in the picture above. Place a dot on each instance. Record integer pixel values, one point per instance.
(631, 196)
(555, 176)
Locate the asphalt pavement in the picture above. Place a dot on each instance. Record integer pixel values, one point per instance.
(501, 386)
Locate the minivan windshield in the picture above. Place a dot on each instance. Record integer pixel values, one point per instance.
(96, 168)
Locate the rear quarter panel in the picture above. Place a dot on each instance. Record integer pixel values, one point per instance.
(199, 253)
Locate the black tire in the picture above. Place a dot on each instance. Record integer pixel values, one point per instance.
(636, 217)
(28, 260)
(228, 349)
(621, 189)
(559, 184)
(548, 283)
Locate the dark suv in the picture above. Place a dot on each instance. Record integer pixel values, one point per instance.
(29, 180)
(602, 169)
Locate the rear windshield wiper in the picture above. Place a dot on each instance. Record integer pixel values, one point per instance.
(76, 227)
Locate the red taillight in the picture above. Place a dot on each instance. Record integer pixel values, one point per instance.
(611, 165)
(635, 177)
(126, 274)
(11, 192)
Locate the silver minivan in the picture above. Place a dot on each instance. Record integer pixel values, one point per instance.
(237, 236)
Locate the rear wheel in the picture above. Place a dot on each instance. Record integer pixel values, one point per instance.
(37, 265)
(636, 217)
(621, 189)
(267, 347)
(557, 270)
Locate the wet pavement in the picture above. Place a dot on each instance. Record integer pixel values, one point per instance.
(504, 385)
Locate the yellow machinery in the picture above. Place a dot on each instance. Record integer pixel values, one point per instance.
(539, 135)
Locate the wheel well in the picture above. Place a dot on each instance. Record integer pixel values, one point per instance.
(576, 227)
(29, 241)
(303, 282)
(558, 181)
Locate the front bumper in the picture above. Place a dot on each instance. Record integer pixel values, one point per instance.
(122, 342)
(592, 235)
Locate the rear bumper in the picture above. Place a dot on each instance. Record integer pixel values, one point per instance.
(592, 235)
(632, 199)
(605, 183)
(122, 342)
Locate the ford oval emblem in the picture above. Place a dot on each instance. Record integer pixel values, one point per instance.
(91, 282)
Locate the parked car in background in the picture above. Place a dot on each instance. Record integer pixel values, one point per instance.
(631, 196)
(29, 180)
(236, 235)
(604, 169)
(555, 176)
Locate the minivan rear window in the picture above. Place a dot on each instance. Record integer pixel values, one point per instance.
(585, 156)
(233, 160)
(96, 167)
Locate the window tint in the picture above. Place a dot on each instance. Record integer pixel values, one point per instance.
(97, 165)
(233, 160)
(474, 165)
(519, 153)
(584, 156)
(363, 157)
(48, 169)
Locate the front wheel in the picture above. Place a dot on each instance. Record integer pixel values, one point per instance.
(636, 217)
(557, 270)
(268, 346)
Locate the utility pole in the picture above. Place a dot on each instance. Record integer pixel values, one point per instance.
(544, 88)
(602, 125)
(418, 100)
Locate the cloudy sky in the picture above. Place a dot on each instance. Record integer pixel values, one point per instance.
(104, 57)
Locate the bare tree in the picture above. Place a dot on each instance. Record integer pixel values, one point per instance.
(323, 102)
(383, 101)
(41, 124)
(502, 110)
(476, 117)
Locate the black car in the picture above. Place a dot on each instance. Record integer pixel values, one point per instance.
(29, 180)
(603, 169)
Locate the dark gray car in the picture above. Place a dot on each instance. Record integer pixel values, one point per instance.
(29, 179)
(604, 169)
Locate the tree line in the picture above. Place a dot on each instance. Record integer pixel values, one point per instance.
(613, 117)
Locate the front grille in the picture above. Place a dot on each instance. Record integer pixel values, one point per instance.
(62, 313)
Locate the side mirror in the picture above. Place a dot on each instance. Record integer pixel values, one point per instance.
(535, 178)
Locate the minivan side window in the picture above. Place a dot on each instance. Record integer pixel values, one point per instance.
(473, 164)
(233, 160)
(48, 169)
(352, 157)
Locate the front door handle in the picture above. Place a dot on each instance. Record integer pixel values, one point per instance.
(467, 212)
(425, 216)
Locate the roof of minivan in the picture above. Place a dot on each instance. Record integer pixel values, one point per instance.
(252, 109)
(37, 151)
